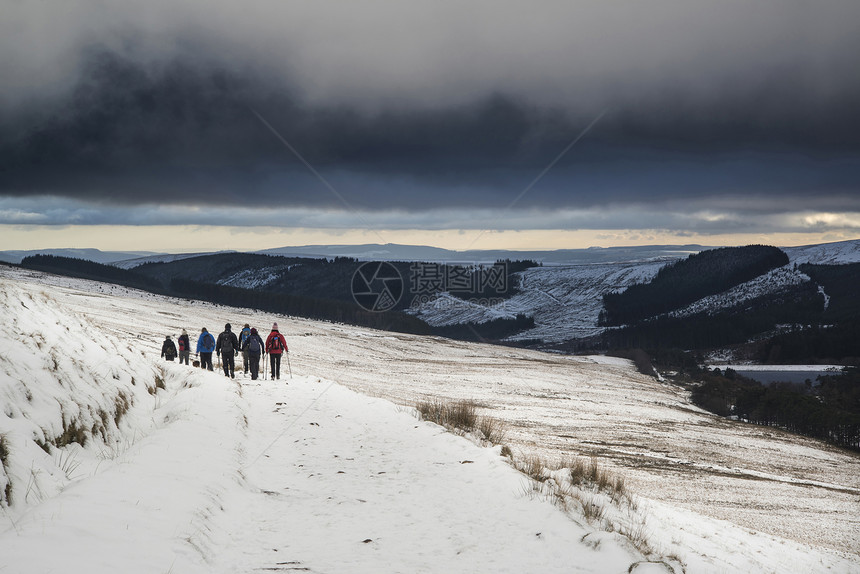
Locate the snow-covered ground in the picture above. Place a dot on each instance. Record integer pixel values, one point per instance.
(331, 471)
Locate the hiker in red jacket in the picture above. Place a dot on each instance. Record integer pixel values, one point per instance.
(275, 346)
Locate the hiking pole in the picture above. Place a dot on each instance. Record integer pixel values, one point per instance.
(264, 366)
(289, 365)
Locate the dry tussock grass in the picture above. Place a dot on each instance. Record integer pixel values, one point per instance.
(461, 415)
(571, 483)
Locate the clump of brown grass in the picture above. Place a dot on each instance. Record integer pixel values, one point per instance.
(122, 404)
(534, 467)
(461, 415)
(638, 535)
(72, 432)
(593, 509)
(493, 429)
(457, 414)
(590, 473)
(582, 483)
(6, 496)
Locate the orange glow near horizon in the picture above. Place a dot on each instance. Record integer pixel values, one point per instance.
(179, 239)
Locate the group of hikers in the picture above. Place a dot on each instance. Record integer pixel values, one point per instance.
(228, 346)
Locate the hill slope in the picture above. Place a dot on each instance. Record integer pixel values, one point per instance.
(210, 476)
(566, 300)
(200, 473)
(687, 280)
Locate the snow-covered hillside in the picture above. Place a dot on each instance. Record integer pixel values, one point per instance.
(770, 283)
(826, 253)
(253, 278)
(779, 279)
(566, 300)
(208, 474)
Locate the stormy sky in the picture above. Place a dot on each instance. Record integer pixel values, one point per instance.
(685, 118)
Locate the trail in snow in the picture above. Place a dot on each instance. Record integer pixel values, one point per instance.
(358, 486)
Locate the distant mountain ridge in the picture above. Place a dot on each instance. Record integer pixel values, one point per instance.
(839, 252)
(549, 303)
(387, 252)
(96, 255)
(396, 252)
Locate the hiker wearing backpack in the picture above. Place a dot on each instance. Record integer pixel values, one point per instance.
(275, 346)
(228, 348)
(205, 348)
(168, 349)
(243, 338)
(184, 347)
(253, 349)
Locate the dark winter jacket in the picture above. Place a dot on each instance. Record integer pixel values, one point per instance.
(227, 343)
(205, 342)
(184, 343)
(246, 346)
(168, 350)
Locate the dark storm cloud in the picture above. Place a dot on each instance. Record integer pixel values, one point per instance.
(441, 106)
(133, 135)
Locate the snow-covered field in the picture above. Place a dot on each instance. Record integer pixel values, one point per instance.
(331, 471)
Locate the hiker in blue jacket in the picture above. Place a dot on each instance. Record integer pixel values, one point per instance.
(243, 337)
(205, 348)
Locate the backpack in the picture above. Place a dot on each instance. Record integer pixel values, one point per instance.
(275, 345)
(254, 345)
(182, 345)
(246, 332)
(208, 342)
